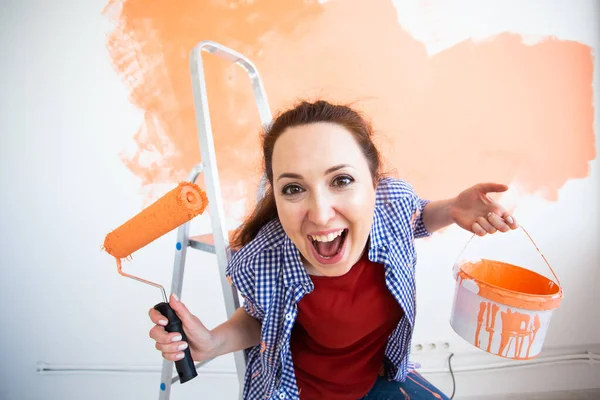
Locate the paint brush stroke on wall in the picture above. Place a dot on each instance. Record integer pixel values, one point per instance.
(499, 109)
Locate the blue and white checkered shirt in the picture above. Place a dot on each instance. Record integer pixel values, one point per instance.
(270, 277)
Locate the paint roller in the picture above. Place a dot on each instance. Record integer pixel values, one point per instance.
(175, 208)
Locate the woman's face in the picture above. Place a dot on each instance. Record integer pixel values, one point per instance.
(324, 195)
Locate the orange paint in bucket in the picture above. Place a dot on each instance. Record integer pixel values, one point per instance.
(502, 308)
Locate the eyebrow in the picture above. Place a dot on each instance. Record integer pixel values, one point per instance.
(327, 171)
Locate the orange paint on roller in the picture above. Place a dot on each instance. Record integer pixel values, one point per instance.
(173, 209)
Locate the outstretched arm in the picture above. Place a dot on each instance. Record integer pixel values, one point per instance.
(472, 210)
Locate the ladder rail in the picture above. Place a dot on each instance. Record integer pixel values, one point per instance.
(213, 190)
(209, 161)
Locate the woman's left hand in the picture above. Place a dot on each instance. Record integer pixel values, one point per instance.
(474, 211)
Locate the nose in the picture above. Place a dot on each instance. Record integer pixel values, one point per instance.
(321, 209)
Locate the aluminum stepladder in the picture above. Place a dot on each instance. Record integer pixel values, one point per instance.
(218, 242)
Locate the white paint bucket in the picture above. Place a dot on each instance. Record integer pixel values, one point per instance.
(503, 309)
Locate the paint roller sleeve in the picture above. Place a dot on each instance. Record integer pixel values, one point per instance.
(173, 209)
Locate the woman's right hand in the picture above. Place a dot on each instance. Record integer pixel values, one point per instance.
(200, 340)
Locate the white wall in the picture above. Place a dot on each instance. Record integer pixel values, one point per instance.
(64, 119)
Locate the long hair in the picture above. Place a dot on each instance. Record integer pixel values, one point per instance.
(303, 114)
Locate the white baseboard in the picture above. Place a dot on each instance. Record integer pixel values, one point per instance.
(479, 375)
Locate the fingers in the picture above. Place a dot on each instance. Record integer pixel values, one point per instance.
(157, 317)
(161, 336)
(492, 187)
(180, 309)
(169, 343)
(492, 223)
(510, 220)
(497, 222)
(486, 225)
(477, 229)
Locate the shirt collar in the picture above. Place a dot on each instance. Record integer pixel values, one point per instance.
(378, 236)
(294, 272)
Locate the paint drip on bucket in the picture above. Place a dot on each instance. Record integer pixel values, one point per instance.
(502, 308)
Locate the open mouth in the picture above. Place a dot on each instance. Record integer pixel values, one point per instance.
(329, 247)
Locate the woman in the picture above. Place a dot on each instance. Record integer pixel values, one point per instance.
(326, 266)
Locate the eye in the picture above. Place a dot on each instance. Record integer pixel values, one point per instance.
(342, 181)
(291, 189)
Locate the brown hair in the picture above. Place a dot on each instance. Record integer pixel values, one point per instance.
(302, 114)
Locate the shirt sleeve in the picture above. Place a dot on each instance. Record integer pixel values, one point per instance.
(240, 274)
(418, 225)
(251, 308)
(408, 206)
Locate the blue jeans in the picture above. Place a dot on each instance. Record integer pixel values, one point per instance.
(415, 387)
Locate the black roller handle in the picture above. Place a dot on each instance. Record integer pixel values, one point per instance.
(185, 367)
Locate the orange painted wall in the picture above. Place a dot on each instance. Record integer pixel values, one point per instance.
(497, 110)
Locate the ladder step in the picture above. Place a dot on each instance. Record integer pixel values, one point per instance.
(203, 243)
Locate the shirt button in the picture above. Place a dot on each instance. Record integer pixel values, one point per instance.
(282, 396)
(288, 316)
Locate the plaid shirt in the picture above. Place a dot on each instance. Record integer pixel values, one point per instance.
(271, 279)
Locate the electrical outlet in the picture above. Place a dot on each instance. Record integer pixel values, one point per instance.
(432, 347)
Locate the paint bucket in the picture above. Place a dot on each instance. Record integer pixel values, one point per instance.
(501, 308)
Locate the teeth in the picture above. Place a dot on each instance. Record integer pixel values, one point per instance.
(327, 238)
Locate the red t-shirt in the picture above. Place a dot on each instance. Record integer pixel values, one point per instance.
(338, 341)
